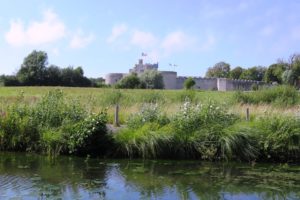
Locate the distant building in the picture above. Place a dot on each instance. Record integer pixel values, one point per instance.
(172, 81)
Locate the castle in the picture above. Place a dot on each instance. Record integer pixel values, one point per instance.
(172, 81)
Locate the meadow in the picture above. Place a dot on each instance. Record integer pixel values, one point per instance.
(177, 124)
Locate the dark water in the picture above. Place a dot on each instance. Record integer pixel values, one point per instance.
(25, 176)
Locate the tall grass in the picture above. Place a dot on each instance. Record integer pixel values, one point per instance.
(53, 125)
(280, 96)
(207, 131)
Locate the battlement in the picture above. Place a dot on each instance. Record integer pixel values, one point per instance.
(172, 81)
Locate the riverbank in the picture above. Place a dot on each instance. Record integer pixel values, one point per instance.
(57, 123)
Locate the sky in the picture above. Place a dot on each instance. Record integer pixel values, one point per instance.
(104, 36)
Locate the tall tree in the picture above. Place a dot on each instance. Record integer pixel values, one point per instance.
(236, 72)
(219, 70)
(274, 73)
(32, 70)
(254, 73)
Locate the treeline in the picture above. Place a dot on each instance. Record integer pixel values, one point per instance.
(34, 71)
(282, 72)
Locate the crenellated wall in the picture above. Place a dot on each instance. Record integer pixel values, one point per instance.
(172, 81)
(234, 84)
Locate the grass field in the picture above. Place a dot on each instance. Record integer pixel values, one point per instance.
(130, 101)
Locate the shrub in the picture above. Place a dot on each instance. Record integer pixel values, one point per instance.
(149, 113)
(189, 83)
(279, 138)
(90, 136)
(53, 110)
(18, 131)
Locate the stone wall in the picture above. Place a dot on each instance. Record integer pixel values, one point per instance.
(113, 78)
(224, 84)
(169, 79)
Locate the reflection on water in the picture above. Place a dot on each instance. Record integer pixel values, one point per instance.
(27, 176)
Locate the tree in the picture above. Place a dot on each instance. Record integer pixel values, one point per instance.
(33, 68)
(274, 73)
(189, 83)
(219, 70)
(74, 77)
(152, 79)
(53, 76)
(288, 77)
(131, 81)
(291, 75)
(254, 73)
(236, 73)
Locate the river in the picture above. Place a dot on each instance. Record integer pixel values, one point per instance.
(32, 177)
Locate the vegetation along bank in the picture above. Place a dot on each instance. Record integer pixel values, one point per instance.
(195, 125)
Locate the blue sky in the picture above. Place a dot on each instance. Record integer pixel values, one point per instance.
(106, 36)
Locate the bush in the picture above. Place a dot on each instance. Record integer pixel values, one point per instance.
(149, 113)
(53, 110)
(18, 130)
(189, 83)
(90, 136)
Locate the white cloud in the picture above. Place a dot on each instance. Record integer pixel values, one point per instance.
(177, 41)
(49, 30)
(143, 39)
(117, 31)
(79, 40)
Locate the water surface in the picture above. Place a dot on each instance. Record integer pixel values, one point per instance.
(29, 176)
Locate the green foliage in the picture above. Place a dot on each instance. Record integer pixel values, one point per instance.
(34, 72)
(90, 136)
(279, 95)
(254, 73)
(149, 113)
(280, 138)
(274, 73)
(288, 77)
(147, 141)
(131, 81)
(152, 79)
(189, 83)
(18, 130)
(219, 70)
(113, 97)
(53, 110)
(33, 68)
(236, 73)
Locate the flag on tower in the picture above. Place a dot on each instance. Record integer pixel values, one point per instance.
(144, 54)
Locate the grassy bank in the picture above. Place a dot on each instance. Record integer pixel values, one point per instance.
(160, 124)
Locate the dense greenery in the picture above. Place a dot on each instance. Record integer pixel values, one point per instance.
(150, 79)
(35, 72)
(287, 72)
(53, 125)
(189, 83)
(61, 124)
(280, 96)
